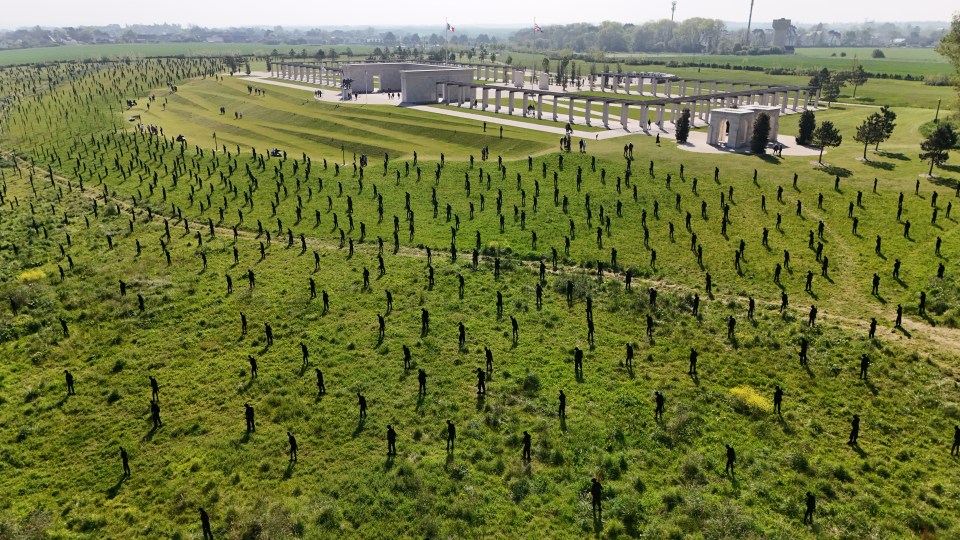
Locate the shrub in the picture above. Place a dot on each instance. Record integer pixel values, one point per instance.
(747, 400)
(877, 53)
(761, 133)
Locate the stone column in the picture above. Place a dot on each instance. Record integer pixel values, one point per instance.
(644, 115)
(624, 112)
(586, 109)
(816, 100)
(496, 99)
(539, 106)
(669, 84)
(524, 104)
(606, 114)
(653, 86)
(627, 86)
(683, 88)
(484, 94)
(510, 102)
(660, 116)
(554, 108)
(570, 111)
(796, 99)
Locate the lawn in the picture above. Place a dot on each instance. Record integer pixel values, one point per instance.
(661, 479)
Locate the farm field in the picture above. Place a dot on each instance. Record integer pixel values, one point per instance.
(141, 50)
(117, 247)
(891, 92)
(896, 61)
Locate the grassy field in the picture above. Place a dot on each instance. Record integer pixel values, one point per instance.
(661, 479)
(896, 61)
(876, 92)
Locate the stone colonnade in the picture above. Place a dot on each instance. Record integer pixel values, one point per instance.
(652, 112)
(308, 73)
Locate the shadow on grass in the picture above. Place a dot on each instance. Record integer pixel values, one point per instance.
(360, 425)
(893, 155)
(880, 165)
(842, 172)
(115, 489)
(288, 472)
(856, 448)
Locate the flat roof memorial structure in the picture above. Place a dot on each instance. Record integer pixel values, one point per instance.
(733, 127)
(417, 83)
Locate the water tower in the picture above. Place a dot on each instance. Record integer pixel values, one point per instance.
(781, 29)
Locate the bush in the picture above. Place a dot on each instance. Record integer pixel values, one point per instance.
(877, 53)
(683, 126)
(747, 400)
(761, 133)
(808, 123)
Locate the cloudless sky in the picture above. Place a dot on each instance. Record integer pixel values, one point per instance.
(320, 13)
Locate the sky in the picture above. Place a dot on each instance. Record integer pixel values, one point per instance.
(218, 13)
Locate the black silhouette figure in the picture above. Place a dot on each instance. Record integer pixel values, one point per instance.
(253, 366)
(658, 411)
(811, 507)
(155, 414)
(391, 441)
(362, 401)
(854, 429)
(451, 435)
(955, 449)
(693, 362)
(731, 459)
(249, 415)
(205, 525)
(154, 389)
(777, 398)
(293, 446)
(481, 382)
(596, 493)
(562, 412)
(69, 378)
(126, 462)
(422, 380)
(864, 364)
(526, 446)
(321, 388)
